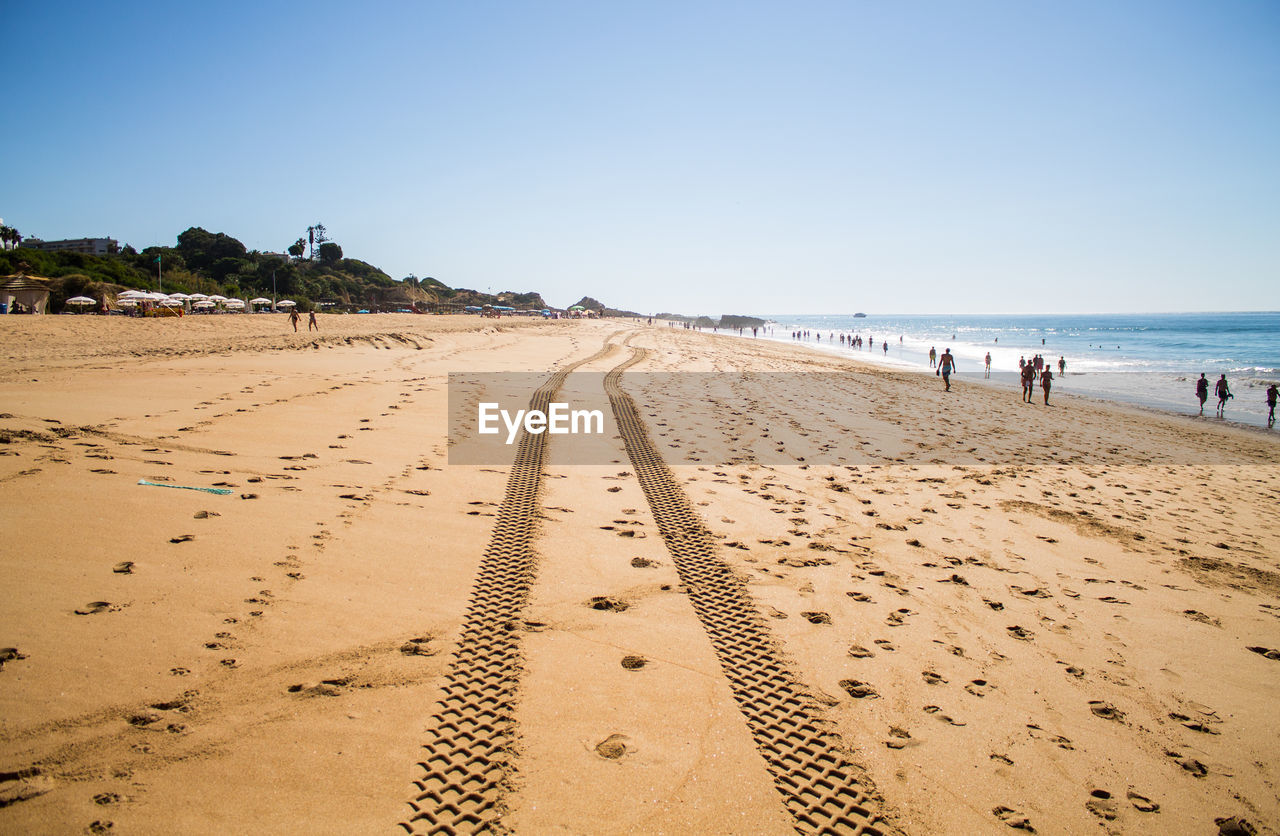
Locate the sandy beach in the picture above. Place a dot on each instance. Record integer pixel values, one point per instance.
(994, 616)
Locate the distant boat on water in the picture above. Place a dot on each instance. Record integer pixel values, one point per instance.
(859, 316)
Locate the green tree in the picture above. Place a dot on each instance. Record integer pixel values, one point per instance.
(298, 248)
(202, 248)
(330, 253)
(11, 237)
(315, 237)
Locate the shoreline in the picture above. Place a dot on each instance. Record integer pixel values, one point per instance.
(1149, 399)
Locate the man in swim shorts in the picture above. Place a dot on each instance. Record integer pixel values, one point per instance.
(946, 364)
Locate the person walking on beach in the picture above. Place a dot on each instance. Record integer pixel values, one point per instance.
(293, 317)
(1028, 382)
(311, 322)
(1062, 365)
(1046, 382)
(1202, 391)
(1273, 395)
(886, 348)
(933, 357)
(1223, 391)
(946, 364)
(988, 370)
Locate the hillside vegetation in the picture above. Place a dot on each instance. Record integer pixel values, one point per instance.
(216, 263)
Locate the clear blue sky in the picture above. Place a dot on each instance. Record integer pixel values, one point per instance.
(703, 157)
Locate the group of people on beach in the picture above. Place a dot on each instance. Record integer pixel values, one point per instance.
(1033, 370)
(1222, 390)
(1036, 371)
(294, 318)
(851, 340)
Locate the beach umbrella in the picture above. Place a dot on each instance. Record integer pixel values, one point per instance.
(181, 297)
(200, 297)
(81, 300)
(259, 301)
(203, 303)
(170, 303)
(217, 298)
(132, 294)
(285, 303)
(127, 303)
(234, 303)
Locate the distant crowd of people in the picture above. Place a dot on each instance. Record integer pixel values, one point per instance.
(1034, 372)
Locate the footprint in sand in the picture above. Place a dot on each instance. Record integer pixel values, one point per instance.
(1191, 765)
(607, 604)
(124, 567)
(1058, 740)
(1102, 805)
(979, 687)
(142, 719)
(1142, 803)
(1012, 818)
(1105, 710)
(324, 688)
(634, 663)
(816, 617)
(857, 651)
(612, 747)
(933, 678)
(1020, 633)
(858, 690)
(10, 654)
(898, 617)
(898, 738)
(936, 711)
(1234, 826)
(95, 607)
(420, 646)
(885, 644)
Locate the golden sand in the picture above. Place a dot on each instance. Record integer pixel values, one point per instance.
(1057, 636)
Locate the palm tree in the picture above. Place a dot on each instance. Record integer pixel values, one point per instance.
(6, 235)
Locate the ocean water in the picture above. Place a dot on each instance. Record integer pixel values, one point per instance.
(1147, 359)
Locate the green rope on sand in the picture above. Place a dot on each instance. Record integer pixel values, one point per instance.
(184, 487)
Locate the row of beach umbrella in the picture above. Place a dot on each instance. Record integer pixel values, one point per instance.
(199, 301)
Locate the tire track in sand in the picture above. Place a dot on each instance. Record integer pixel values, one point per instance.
(819, 786)
(468, 744)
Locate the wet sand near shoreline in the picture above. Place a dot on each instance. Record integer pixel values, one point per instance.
(1072, 635)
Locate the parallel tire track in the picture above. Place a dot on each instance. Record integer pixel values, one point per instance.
(819, 787)
(468, 746)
